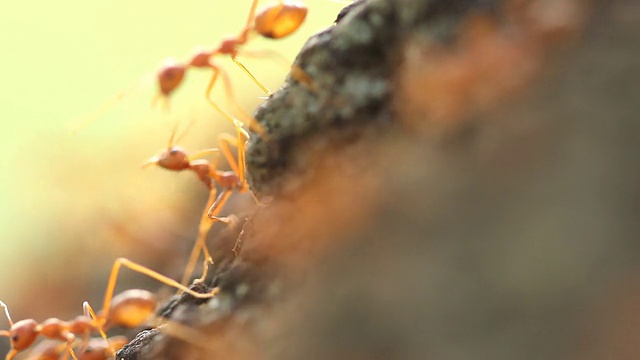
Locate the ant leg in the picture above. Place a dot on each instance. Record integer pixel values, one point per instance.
(246, 71)
(265, 53)
(230, 220)
(163, 100)
(204, 152)
(88, 311)
(216, 71)
(216, 207)
(113, 278)
(297, 73)
(301, 76)
(201, 242)
(85, 339)
(245, 117)
(253, 124)
(11, 354)
(205, 226)
(251, 18)
(226, 141)
(200, 245)
(70, 348)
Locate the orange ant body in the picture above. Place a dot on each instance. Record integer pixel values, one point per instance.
(176, 159)
(47, 350)
(99, 349)
(24, 332)
(94, 349)
(275, 22)
(129, 309)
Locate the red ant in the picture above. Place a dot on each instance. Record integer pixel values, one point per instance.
(274, 21)
(177, 159)
(129, 309)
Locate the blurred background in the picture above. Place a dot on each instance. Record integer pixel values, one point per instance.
(73, 202)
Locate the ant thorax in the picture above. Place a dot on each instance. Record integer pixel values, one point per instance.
(200, 59)
(229, 46)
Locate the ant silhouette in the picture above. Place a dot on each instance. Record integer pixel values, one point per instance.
(274, 21)
(129, 309)
(175, 158)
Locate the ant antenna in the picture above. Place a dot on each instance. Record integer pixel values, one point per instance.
(6, 312)
(109, 104)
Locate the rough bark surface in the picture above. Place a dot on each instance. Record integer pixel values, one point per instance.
(396, 228)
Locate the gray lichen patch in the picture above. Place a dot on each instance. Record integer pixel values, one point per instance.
(352, 66)
(353, 70)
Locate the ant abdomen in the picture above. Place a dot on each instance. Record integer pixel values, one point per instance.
(131, 308)
(170, 76)
(280, 20)
(99, 349)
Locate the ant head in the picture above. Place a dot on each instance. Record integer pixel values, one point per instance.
(174, 158)
(280, 20)
(23, 333)
(131, 308)
(170, 76)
